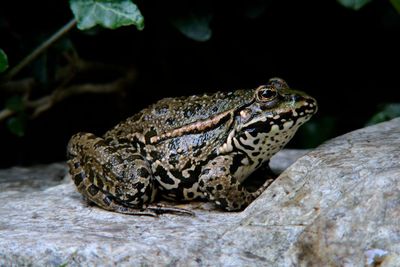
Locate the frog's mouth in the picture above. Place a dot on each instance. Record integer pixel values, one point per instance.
(307, 109)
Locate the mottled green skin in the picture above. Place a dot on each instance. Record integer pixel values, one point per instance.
(187, 148)
(173, 113)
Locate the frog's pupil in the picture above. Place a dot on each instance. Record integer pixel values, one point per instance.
(268, 93)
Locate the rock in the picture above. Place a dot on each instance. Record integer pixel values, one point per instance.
(336, 206)
(32, 179)
(339, 205)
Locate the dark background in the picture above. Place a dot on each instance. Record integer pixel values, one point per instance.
(348, 60)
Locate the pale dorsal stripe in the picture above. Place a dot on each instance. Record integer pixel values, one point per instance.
(196, 127)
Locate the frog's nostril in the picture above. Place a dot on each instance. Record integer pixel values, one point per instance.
(296, 98)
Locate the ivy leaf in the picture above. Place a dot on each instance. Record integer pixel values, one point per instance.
(396, 4)
(3, 61)
(107, 13)
(354, 4)
(196, 27)
(16, 125)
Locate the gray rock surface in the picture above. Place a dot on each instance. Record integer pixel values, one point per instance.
(339, 205)
(23, 179)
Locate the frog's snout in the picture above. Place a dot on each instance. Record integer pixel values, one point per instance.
(311, 104)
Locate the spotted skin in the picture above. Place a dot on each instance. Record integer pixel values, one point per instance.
(196, 147)
(220, 185)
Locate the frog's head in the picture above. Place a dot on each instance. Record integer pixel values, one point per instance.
(266, 124)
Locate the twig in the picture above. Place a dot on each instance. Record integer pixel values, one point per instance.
(40, 49)
(5, 113)
(18, 86)
(46, 102)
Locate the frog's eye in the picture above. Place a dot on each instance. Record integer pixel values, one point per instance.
(265, 94)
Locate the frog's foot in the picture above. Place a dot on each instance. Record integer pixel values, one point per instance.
(114, 178)
(219, 186)
(113, 205)
(150, 210)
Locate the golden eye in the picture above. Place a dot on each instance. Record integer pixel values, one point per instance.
(265, 94)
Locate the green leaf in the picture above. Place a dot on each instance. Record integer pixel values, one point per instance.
(15, 103)
(387, 112)
(107, 13)
(254, 9)
(396, 4)
(354, 4)
(3, 61)
(16, 125)
(196, 27)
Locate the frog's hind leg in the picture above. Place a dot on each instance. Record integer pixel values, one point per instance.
(91, 191)
(107, 201)
(114, 178)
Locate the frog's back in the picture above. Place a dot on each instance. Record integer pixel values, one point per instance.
(173, 113)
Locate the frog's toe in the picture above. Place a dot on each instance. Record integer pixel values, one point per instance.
(161, 209)
(115, 206)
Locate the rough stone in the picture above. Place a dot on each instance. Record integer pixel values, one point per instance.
(29, 179)
(338, 205)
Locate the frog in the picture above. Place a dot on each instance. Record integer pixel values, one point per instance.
(199, 147)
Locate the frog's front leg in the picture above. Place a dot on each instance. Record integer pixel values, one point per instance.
(116, 178)
(219, 185)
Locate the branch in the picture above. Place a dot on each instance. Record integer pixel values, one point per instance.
(18, 86)
(42, 104)
(5, 113)
(63, 92)
(40, 49)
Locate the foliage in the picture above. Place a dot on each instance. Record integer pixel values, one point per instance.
(193, 20)
(354, 4)
(16, 125)
(14, 103)
(3, 61)
(106, 13)
(385, 113)
(396, 4)
(88, 14)
(194, 26)
(358, 4)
